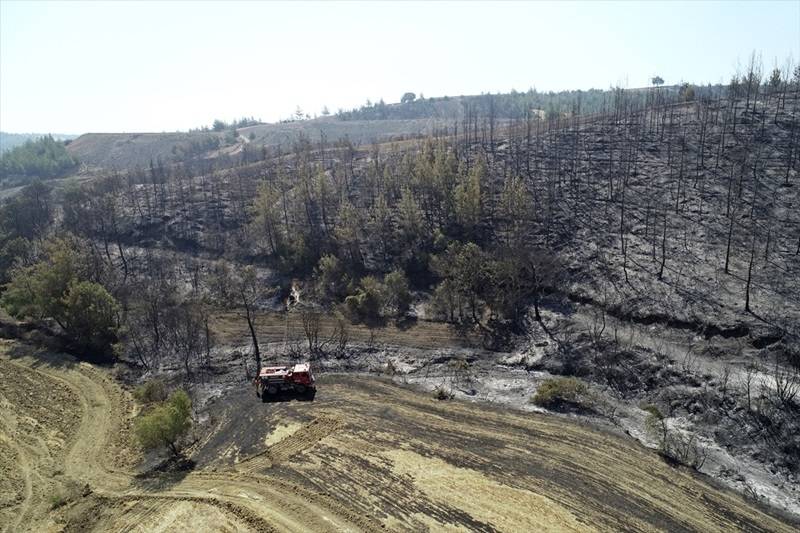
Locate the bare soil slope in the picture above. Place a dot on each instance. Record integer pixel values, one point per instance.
(365, 455)
(128, 150)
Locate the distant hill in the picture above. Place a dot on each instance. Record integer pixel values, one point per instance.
(10, 140)
(375, 122)
(510, 105)
(39, 159)
(128, 150)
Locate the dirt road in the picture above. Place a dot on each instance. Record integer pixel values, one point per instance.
(365, 455)
(96, 452)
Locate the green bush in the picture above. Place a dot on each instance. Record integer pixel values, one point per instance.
(90, 316)
(151, 392)
(38, 290)
(367, 302)
(556, 392)
(444, 303)
(331, 277)
(11, 251)
(58, 499)
(397, 295)
(165, 424)
(57, 287)
(297, 253)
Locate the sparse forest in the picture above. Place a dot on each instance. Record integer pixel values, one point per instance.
(505, 106)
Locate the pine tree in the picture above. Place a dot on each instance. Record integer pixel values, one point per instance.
(515, 209)
(409, 217)
(349, 232)
(469, 197)
(265, 216)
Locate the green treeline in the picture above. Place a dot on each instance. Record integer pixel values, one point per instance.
(43, 158)
(508, 105)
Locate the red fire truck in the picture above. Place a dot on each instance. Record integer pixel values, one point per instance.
(275, 379)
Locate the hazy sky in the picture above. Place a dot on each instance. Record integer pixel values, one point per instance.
(81, 67)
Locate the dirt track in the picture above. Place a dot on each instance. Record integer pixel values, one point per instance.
(274, 327)
(365, 455)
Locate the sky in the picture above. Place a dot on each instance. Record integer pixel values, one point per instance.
(78, 67)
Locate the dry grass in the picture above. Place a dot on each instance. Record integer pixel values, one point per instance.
(230, 328)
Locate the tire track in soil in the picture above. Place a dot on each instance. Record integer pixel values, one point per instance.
(12, 483)
(255, 501)
(604, 480)
(152, 505)
(401, 461)
(322, 499)
(21, 509)
(34, 426)
(302, 439)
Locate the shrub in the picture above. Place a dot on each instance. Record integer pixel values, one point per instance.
(655, 425)
(64, 493)
(297, 254)
(397, 295)
(151, 392)
(90, 316)
(442, 393)
(444, 303)
(11, 252)
(58, 499)
(165, 424)
(683, 449)
(38, 290)
(56, 287)
(331, 277)
(555, 392)
(367, 302)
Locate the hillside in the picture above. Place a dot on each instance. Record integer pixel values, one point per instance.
(634, 270)
(613, 196)
(514, 104)
(392, 459)
(501, 267)
(10, 140)
(377, 122)
(129, 150)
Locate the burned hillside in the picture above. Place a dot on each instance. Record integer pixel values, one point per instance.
(637, 266)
